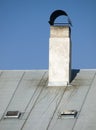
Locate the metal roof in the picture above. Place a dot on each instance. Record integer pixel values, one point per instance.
(40, 106)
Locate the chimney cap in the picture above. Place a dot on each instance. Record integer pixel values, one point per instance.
(56, 14)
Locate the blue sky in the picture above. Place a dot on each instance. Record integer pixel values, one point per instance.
(24, 32)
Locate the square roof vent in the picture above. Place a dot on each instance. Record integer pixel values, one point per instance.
(68, 114)
(12, 115)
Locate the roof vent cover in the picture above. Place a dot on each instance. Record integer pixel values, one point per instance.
(68, 114)
(12, 115)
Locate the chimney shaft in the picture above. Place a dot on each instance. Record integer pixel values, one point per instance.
(59, 55)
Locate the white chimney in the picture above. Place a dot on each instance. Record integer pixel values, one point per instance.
(59, 53)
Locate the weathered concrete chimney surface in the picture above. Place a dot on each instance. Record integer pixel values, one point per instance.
(59, 56)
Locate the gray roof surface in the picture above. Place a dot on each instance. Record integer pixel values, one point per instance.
(27, 92)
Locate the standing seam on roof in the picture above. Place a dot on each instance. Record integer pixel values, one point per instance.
(13, 93)
(35, 91)
(56, 108)
(84, 100)
(35, 100)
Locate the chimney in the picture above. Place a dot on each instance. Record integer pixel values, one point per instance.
(59, 51)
